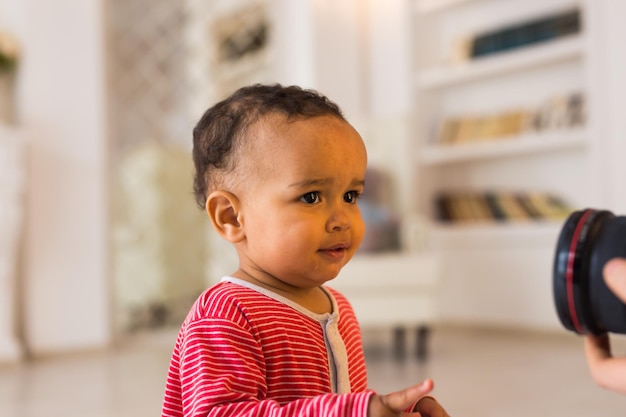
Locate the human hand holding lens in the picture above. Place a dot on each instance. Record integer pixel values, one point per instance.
(589, 283)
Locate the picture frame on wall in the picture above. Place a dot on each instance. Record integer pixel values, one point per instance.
(241, 47)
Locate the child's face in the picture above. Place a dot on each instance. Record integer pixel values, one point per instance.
(299, 206)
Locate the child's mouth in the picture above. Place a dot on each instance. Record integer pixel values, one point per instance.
(336, 252)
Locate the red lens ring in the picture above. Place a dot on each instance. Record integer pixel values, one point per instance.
(569, 275)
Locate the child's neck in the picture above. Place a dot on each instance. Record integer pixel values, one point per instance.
(313, 299)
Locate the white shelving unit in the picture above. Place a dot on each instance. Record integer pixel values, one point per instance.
(513, 259)
(397, 291)
(523, 77)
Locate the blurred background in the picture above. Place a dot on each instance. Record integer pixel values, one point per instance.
(487, 122)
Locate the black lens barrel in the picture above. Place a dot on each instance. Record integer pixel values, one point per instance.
(584, 304)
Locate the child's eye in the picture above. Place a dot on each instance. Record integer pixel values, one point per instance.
(351, 197)
(311, 198)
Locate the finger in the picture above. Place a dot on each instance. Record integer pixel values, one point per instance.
(597, 350)
(400, 400)
(606, 371)
(615, 277)
(429, 407)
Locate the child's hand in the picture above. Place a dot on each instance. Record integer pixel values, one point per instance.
(391, 405)
(429, 407)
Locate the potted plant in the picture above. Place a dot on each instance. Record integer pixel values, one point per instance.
(9, 56)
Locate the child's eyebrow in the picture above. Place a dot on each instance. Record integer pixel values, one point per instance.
(358, 183)
(311, 182)
(322, 181)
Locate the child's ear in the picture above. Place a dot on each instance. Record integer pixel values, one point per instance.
(223, 210)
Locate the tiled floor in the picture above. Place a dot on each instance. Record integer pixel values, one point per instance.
(478, 373)
(486, 373)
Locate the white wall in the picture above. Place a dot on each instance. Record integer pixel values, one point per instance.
(613, 67)
(66, 290)
(389, 101)
(293, 40)
(357, 52)
(65, 303)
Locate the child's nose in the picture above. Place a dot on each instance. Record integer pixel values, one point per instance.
(339, 219)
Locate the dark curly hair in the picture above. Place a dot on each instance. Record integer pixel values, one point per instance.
(223, 127)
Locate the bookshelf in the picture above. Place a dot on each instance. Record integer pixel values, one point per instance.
(511, 257)
(526, 76)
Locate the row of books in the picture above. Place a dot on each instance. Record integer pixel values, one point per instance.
(559, 112)
(473, 207)
(526, 33)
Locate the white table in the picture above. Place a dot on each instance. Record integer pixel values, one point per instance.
(394, 290)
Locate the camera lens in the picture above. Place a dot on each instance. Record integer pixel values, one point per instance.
(584, 303)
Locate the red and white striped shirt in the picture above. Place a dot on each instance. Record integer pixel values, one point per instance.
(244, 351)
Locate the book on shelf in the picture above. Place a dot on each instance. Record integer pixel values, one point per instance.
(510, 205)
(497, 212)
(468, 129)
(560, 112)
(564, 111)
(526, 33)
(527, 206)
(499, 206)
(551, 207)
